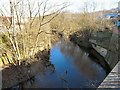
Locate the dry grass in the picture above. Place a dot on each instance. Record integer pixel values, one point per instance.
(27, 41)
(69, 23)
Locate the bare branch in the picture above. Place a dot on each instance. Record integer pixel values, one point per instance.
(39, 5)
(50, 19)
(56, 14)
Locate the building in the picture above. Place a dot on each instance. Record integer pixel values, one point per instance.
(111, 16)
(119, 7)
(5, 20)
(5, 23)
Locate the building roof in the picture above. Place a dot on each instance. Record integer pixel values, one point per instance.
(4, 18)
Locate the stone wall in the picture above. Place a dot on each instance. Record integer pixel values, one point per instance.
(106, 43)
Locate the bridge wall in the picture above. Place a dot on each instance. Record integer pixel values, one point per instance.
(108, 50)
(112, 54)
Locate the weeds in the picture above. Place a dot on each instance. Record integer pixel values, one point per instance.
(26, 34)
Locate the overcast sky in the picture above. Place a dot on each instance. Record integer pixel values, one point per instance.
(75, 5)
(78, 5)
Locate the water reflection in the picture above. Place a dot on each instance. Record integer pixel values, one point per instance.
(73, 69)
(80, 59)
(82, 71)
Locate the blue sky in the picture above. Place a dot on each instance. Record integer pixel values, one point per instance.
(75, 5)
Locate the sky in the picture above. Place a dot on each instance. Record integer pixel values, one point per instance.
(78, 5)
(75, 5)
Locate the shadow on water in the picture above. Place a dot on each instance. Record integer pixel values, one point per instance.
(73, 69)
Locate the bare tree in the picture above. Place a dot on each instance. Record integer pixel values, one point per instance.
(20, 32)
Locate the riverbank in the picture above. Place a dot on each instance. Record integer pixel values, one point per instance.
(83, 43)
(13, 75)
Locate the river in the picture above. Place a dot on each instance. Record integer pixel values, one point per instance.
(73, 69)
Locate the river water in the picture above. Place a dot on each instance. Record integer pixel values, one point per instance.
(73, 69)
